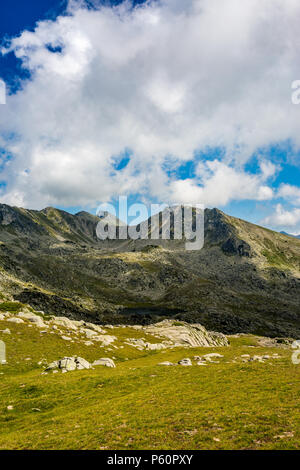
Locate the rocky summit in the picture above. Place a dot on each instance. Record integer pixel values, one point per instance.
(246, 279)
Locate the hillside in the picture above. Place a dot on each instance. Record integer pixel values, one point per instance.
(289, 235)
(174, 386)
(245, 279)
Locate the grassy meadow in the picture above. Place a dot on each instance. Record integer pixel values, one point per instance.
(143, 405)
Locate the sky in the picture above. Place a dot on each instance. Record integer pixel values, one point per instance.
(165, 101)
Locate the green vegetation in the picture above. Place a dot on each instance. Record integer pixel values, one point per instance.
(12, 307)
(279, 256)
(141, 405)
(52, 261)
(150, 266)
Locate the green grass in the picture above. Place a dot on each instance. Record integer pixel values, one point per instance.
(12, 307)
(150, 266)
(141, 405)
(280, 256)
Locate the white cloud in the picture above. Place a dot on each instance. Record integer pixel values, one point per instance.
(167, 96)
(283, 218)
(217, 184)
(289, 192)
(163, 80)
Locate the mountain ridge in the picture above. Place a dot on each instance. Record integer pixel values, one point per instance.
(290, 235)
(245, 279)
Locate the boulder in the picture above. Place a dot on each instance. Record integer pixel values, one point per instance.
(155, 346)
(97, 328)
(104, 361)
(77, 323)
(210, 357)
(106, 340)
(88, 332)
(53, 365)
(36, 319)
(66, 338)
(64, 321)
(15, 320)
(82, 363)
(185, 362)
(284, 343)
(257, 359)
(68, 364)
(185, 334)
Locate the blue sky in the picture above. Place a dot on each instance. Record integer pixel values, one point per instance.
(117, 100)
(17, 16)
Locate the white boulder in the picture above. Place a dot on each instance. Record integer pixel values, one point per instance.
(185, 362)
(15, 320)
(104, 361)
(68, 364)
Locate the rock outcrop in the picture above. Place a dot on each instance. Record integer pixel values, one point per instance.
(68, 364)
(185, 362)
(104, 361)
(184, 334)
(33, 318)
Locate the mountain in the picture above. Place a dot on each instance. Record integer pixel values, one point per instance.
(245, 279)
(289, 235)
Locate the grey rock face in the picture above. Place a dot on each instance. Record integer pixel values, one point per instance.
(184, 334)
(234, 246)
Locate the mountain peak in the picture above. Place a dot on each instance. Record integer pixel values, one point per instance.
(290, 235)
(53, 261)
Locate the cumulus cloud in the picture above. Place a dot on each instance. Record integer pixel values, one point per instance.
(164, 79)
(290, 193)
(283, 217)
(217, 184)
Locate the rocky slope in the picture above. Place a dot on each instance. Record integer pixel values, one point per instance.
(245, 279)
